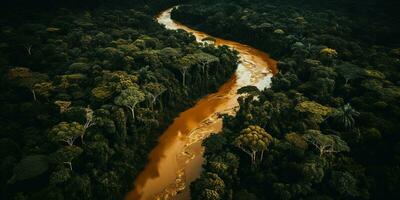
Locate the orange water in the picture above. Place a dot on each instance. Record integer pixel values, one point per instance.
(177, 159)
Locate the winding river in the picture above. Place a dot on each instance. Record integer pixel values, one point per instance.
(177, 160)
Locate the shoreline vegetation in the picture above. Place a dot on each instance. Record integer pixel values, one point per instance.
(86, 94)
(327, 127)
(177, 159)
(87, 87)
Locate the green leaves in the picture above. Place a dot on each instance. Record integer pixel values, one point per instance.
(344, 183)
(350, 71)
(344, 116)
(67, 132)
(153, 91)
(253, 139)
(313, 107)
(66, 154)
(129, 98)
(326, 144)
(208, 187)
(61, 175)
(317, 110)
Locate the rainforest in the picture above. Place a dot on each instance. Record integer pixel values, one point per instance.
(199, 99)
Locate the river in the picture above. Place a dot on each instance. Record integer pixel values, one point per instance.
(177, 159)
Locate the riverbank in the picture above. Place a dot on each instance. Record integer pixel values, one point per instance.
(177, 159)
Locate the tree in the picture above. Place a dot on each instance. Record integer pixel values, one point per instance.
(297, 140)
(184, 65)
(344, 116)
(66, 154)
(130, 98)
(204, 60)
(208, 187)
(328, 55)
(63, 105)
(43, 88)
(154, 90)
(24, 77)
(120, 122)
(226, 165)
(214, 143)
(61, 175)
(349, 71)
(89, 121)
(67, 132)
(344, 183)
(30, 36)
(252, 140)
(323, 87)
(313, 170)
(316, 110)
(79, 187)
(326, 144)
(102, 93)
(249, 90)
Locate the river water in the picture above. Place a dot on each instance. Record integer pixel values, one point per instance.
(177, 159)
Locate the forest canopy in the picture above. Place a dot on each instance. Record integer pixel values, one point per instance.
(327, 127)
(86, 94)
(87, 87)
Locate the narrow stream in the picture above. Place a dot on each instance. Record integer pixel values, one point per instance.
(177, 160)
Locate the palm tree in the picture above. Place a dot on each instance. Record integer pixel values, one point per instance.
(345, 116)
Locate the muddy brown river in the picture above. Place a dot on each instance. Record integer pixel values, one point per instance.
(177, 159)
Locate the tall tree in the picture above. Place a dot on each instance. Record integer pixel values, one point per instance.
(251, 140)
(344, 116)
(208, 187)
(130, 98)
(154, 90)
(184, 65)
(24, 77)
(204, 60)
(349, 71)
(66, 154)
(67, 132)
(326, 144)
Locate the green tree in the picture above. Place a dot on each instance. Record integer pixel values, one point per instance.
(89, 121)
(344, 183)
(44, 88)
(317, 111)
(184, 65)
(67, 132)
(204, 60)
(326, 144)
(253, 139)
(66, 154)
(344, 116)
(79, 187)
(349, 71)
(226, 165)
(154, 90)
(130, 98)
(249, 90)
(24, 77)
(61, 175)
(208, 187)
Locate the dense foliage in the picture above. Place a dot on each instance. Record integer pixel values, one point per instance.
(332, 112)
(86, 93)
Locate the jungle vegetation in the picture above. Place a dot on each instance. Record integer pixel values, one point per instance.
(87, 87)
(85, 94)
(328, 126)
